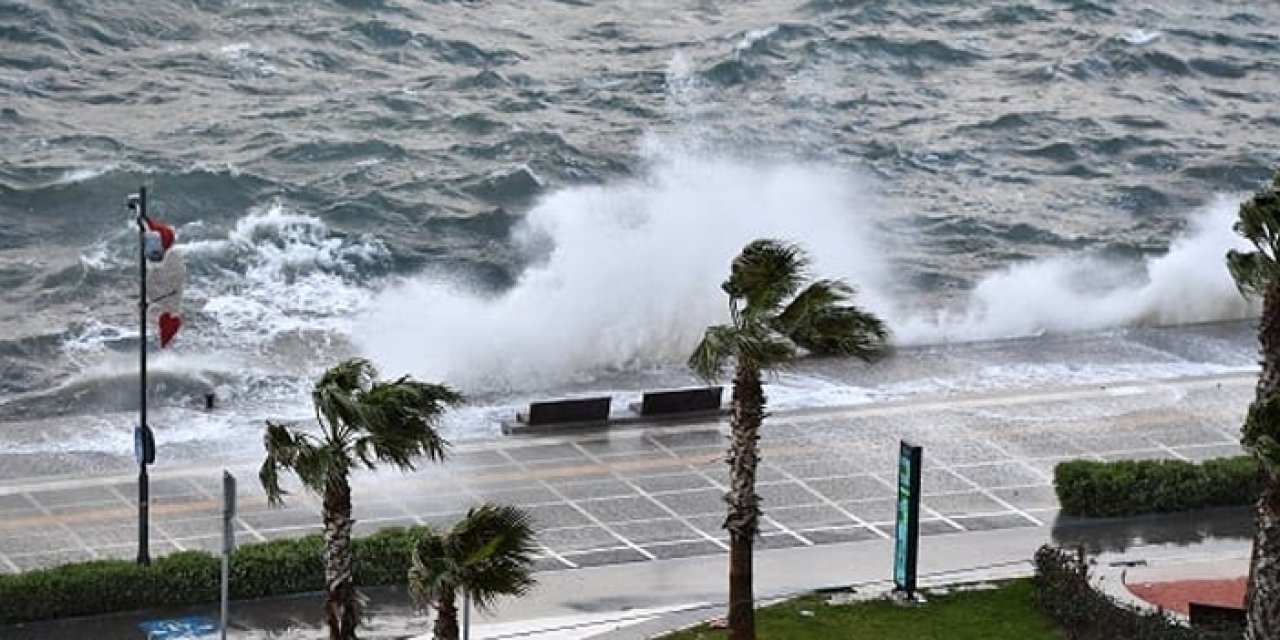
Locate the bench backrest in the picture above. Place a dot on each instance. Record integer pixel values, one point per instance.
(698, 399)
(573, 410)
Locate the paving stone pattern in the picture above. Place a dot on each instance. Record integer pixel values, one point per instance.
(651, 493)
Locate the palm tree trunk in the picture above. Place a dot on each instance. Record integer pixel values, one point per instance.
(446, 627)
(1262, 598)
(342, 602)
(743, 519)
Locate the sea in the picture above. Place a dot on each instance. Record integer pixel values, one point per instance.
(528, 200)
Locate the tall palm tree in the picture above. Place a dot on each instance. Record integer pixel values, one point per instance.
(363, 422)
(1257, 273)
(487, 554)
(776, 313)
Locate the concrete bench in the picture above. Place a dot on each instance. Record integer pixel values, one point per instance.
(679, 402)
(564, 412)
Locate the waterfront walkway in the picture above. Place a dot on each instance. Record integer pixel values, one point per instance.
(629, 519)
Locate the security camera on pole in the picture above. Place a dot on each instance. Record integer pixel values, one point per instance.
(155, 239)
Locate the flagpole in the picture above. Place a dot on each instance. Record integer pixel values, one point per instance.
(142, 433)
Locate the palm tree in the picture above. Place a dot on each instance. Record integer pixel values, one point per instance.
(363, 422)
(1257, 273)
(774, 317)
(487, 554)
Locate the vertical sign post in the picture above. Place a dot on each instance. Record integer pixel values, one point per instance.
(228, 542)
(466, 615)
(907, 532)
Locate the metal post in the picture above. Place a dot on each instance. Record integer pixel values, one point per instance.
(228, 543)
(140, 207)
(466, 615)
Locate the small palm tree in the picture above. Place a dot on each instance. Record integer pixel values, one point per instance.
(363, 422)
(774, 317)
(1257, 272)
(487, 554)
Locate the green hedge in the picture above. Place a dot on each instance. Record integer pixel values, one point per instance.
(1063, 593)
(184, 578)
(1134, 487)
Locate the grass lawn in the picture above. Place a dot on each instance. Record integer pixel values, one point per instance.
(1004, 612)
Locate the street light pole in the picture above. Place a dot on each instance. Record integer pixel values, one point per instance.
(143, 444)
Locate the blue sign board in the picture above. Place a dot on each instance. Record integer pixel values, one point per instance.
(179, 628)
(907, 532)
(144, 444)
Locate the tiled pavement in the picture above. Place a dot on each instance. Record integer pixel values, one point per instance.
(646, 493)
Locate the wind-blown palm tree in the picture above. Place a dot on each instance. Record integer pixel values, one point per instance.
(487, 554)
(1257, 272)
(776, 313)
(363, 422)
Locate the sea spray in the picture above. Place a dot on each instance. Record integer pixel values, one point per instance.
(625, 276)
(1082, 291)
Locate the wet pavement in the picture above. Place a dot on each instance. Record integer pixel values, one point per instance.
(647, 499)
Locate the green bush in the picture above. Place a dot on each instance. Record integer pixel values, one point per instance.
(260, 570)
(1063, 593)
(1134, 487)
(384, 557)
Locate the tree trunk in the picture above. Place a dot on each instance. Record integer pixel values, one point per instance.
(743, 520)
(342, 606)
(1262, 597)
(446, 627)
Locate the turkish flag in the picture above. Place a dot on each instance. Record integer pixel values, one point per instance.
(169, 325)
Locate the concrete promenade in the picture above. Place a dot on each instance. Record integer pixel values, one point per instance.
(640, 508)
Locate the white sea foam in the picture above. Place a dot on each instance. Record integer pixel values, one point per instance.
(1079, 291)
(83, 174)
(750, 38)
(290, 274)
(247, 58)
(1140, 36)
(624, 276)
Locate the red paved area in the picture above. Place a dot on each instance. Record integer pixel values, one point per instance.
(1174, 595)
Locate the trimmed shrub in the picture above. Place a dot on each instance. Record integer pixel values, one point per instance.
(290, 565)
(384, 558)
(1063, 593)
(259, 570)
(1134, 487)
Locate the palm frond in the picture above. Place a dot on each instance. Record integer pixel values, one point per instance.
(816, 321)
(761, 347)
(1258, 221)
(487, 554)
(814, 299)
(432, 571)
(498, 554)
(400, 420)
(318, 466)
(713, 352)
(1251, 271)
(339, 410)
(351, 375)
(284, 446)
(766, 273)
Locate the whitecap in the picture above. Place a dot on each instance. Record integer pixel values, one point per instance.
(1140, 36)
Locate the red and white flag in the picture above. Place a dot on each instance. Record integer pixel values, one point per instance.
(165, 278)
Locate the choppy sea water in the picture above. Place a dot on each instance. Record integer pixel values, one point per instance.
(526, 199)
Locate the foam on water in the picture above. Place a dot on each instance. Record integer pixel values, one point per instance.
(291, 274)
(625, 276)
(1080, 291)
